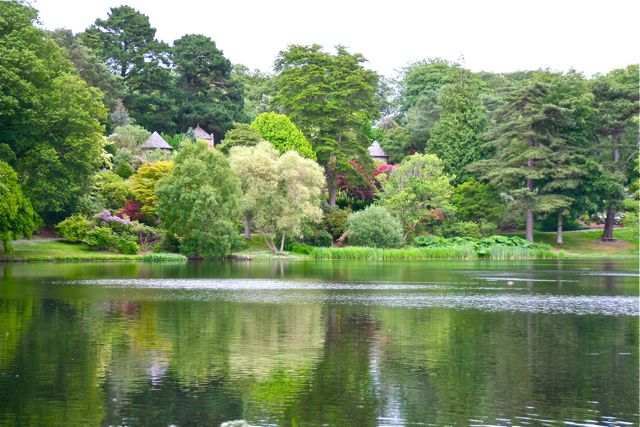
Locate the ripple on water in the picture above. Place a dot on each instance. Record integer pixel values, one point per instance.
(416, 295)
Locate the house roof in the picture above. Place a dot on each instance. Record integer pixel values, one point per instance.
(156, 141)
(375, 150)
(200, 133)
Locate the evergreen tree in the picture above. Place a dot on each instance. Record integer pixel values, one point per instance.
(127, 43)
(456, 136)
(205, 91)
(532, 150)
(616, 132)
(332, 99)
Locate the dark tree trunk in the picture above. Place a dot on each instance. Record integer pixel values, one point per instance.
(559, 237)
(609, 221)
(247, 228)
(332, 187)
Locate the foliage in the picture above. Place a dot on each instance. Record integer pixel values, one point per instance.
(416, 188)
(376, 227)
(125, 142)
(335, 221)
(537, 141)
(146, 236)
(51, 119)
(280, 192)
(90, 68)
(319, 237)
(143, 185)
(396, 144)
(131, 210)
(205, 92)
(336, 127)
(478, 202)
(198, 201)
(283, 134)
(241, 135)
(17, 217)
(110, 190)
(616, 131)
(126, 42)
(124, 170)
(163, 257)
(462, 229)
(104, 238)
(257, 87)
(456, 137)
(74, 228)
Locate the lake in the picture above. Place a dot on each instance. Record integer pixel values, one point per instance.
(312, 343)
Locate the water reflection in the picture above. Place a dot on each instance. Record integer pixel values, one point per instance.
(98, 345)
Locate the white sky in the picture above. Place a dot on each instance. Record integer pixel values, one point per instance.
(492, 35)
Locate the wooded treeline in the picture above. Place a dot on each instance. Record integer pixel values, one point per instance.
(514, 147)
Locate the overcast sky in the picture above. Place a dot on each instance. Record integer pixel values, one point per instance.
(492, 35)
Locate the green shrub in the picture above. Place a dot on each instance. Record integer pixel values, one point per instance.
(487, 228)
(375, 227)
(318, 238)
(163, 257)
(462, 229)
(124, 170)
(301, 248)
(101, 238)
(105, 239)
(335, 222)
(74, 228)
(146, 235)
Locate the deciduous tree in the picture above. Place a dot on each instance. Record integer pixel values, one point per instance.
(416, 187)
(199, 201)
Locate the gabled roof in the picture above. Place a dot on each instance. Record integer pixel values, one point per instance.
(200, 133)
(375, 150)
(156, 141)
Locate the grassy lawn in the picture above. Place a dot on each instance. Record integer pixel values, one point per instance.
(587, 243)
(54, 250)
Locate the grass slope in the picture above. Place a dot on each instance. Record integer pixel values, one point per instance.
(55, 250)
(588, 244)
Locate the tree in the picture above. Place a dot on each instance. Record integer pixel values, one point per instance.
(616, 131)
(90, 68)
(17, 217)
(396, 143)
(206, 93)
(143, 185)
(456, 137)
(127, 43)
(125, 142)
(282, 134)
(281, 192)
(419, 85)
(332, 99)
(478, 202)
(256, 167)
(416, 187)
(198, 202)
(532, 148)
(257, 88)
(241, 135)
(50, 126)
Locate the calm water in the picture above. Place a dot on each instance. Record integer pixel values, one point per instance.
(320, 343)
